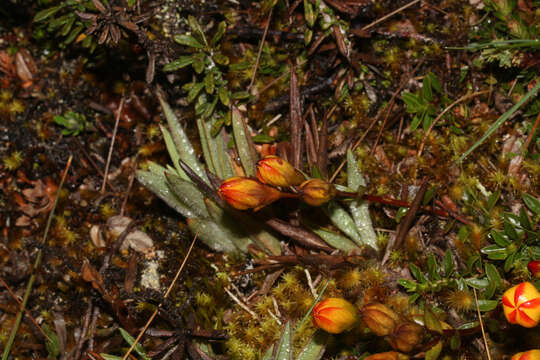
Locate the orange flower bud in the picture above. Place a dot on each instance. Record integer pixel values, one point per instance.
(389, 355)
(406, 336)
(527, 355)
(534, 268)
(334, 315)
(316, 192)
(521, 305)
(379, 318)
(275, 171)
(245, 193)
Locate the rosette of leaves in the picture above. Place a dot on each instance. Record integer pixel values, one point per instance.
(63, 21)
(519, 240)
(422, 104)
(442, 277)
(209, 87)
(217, 228)
(90, 22)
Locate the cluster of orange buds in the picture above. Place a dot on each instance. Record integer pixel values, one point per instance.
(534, 268)
(246, 193)
(334, 315)
(521, 305)
(383, 321)
(527, 355)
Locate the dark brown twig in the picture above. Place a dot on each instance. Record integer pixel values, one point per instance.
(299, 234)
(406, 222)
(295, 110)
(82, 336)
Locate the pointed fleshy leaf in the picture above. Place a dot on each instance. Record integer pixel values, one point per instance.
(209, 159)
(131, 340)
(335, 240)
(314, 350)
(158, 185)
(243, 143)
(360, 209)
(211, 234)
(268, 353)
(343, 221)
(173, 153)
(223, 156)
(229, 225)
(188, 193)
(284, 347)
(183, 145)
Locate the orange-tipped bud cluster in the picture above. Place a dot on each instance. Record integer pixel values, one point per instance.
(389, 355)
(275, 171)
(316, 192)
(245, 193)
(379, 318)
(527, 355)
(521, 305)
(334, 315)
(534, 268)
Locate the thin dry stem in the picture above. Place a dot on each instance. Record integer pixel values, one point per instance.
(260, 49)
(390, 14)
(481, 324)
(141, 333)
(109, 156)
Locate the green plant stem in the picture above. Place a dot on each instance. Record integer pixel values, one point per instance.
(501, 120)
(37, 263)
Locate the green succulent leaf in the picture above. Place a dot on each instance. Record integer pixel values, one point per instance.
(188, 40)
(314, 350)
(179, 63)
(47, 13)
(532, 203)
(197, 29)
(487, 305)
(284, 347)
(222, 27)
(243, 143)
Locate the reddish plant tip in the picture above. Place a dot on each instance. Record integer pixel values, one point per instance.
(534, 268)
(521, 305)
(334, 315)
